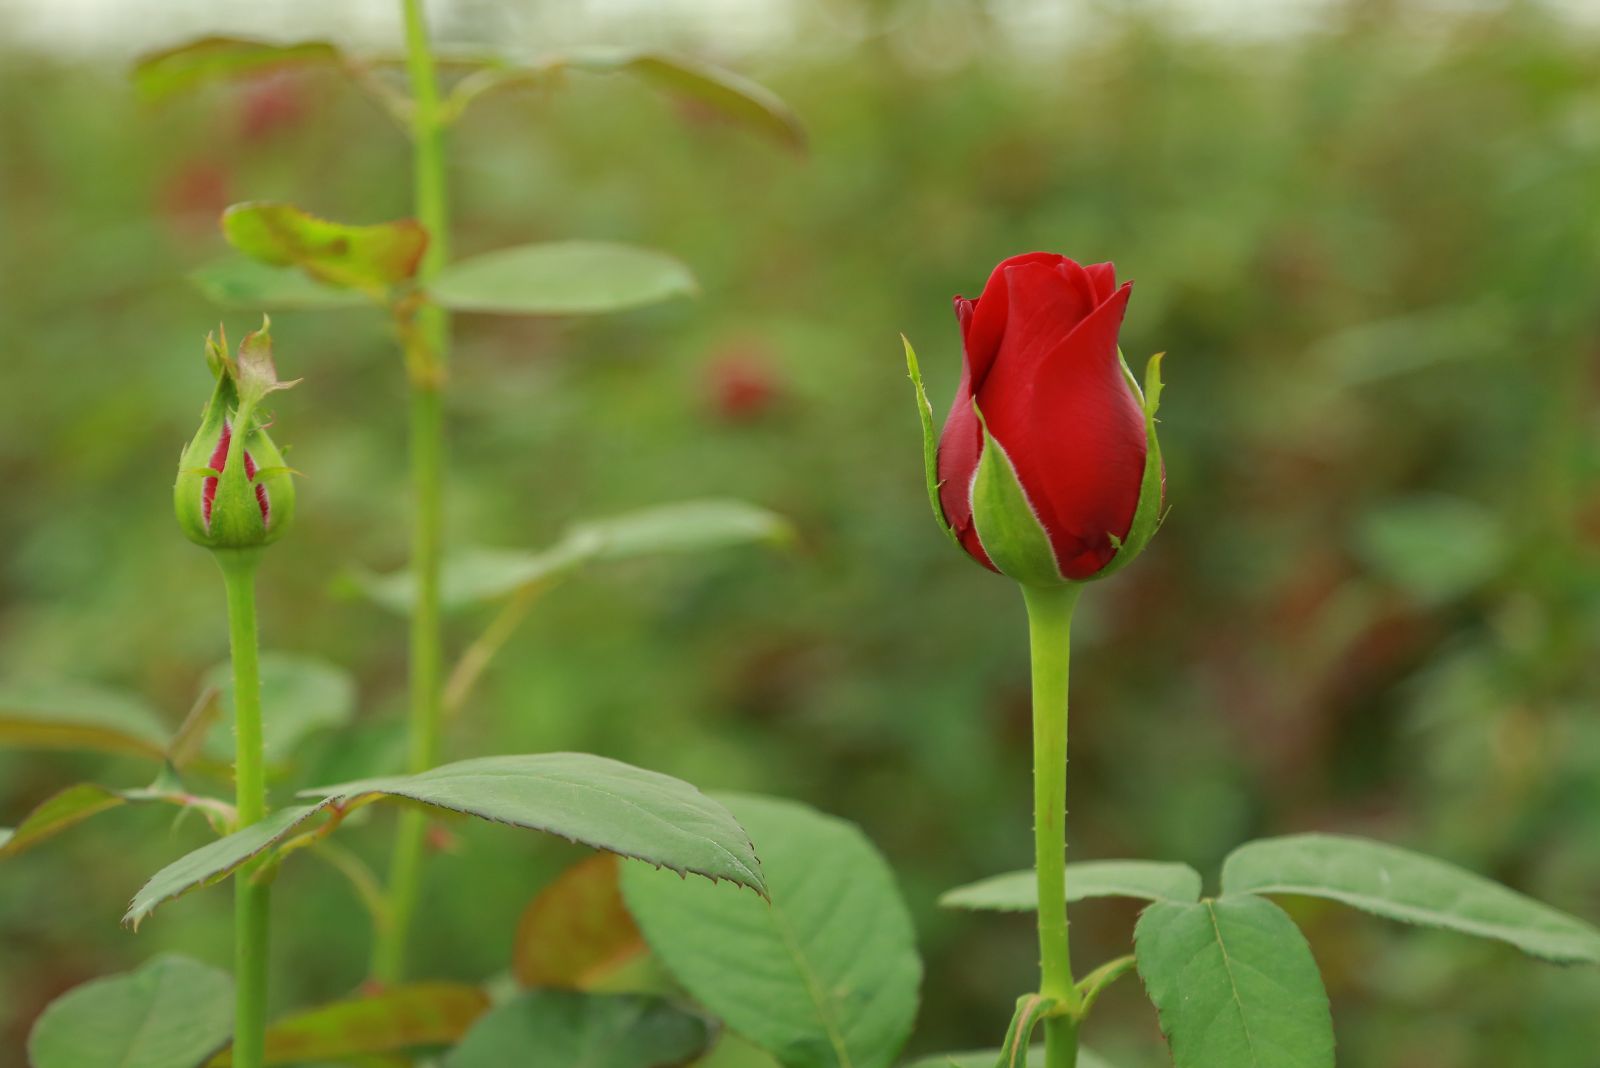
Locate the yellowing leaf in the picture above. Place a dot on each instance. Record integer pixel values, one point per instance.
(174, 70)
(80, 716)
(577, 930)
(416, 1014)
(57, 813)
(368, 258)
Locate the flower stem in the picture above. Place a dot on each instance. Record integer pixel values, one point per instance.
(427, 357)
(250, 896)
(1049, 638)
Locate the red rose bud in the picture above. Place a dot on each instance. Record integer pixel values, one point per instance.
(233, 490)
(743, 386)
(1048, 469)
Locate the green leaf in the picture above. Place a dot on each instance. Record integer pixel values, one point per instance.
(987, 1058)
(601, 803)
(1434, 546)
(826, 975)
(72, 806)
(366, 258)
(80, 716)
(473, 576)
(57, 813)
(575, 1030)
(171, 1013)
(175, 70)
(683, 526)
(1018, 891)
(1007, 525)
(1234, 984)
(576, 930)
(415, 1014)
(238, 282)
(214, 861)
(300, 695)
(562, 278)
(731, 94)
(728, 93)
(735, 1051)
(1401, 885)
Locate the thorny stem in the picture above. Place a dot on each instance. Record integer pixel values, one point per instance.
(1050, 636)
(426, 362)
(250, 896)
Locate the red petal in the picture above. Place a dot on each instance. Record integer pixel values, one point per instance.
(1104, 276)
(208, 488)
(262, 500)
(960, 445)
(1074, 430)
(219, 455)
(964, 315)
(1046, 305)
(982, 333)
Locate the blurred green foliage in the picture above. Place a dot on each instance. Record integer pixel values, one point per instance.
(1372, 252)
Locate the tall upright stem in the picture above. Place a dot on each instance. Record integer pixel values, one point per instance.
(250, 896)
(1049, 642)
(427, 359)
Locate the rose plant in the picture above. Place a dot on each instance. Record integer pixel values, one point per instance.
(796, 948)
(234, 495)
(1048, 470)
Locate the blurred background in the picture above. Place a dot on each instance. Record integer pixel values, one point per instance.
(1367, 232)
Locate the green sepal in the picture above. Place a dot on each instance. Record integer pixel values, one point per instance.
(1007, 525)
(194, 467)
(1147, 516)
(1031, 1008)
(254, 370)
(235, 514)
(930, 441)
(217, 356)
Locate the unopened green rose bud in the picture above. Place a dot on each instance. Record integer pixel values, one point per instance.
(233, 490)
